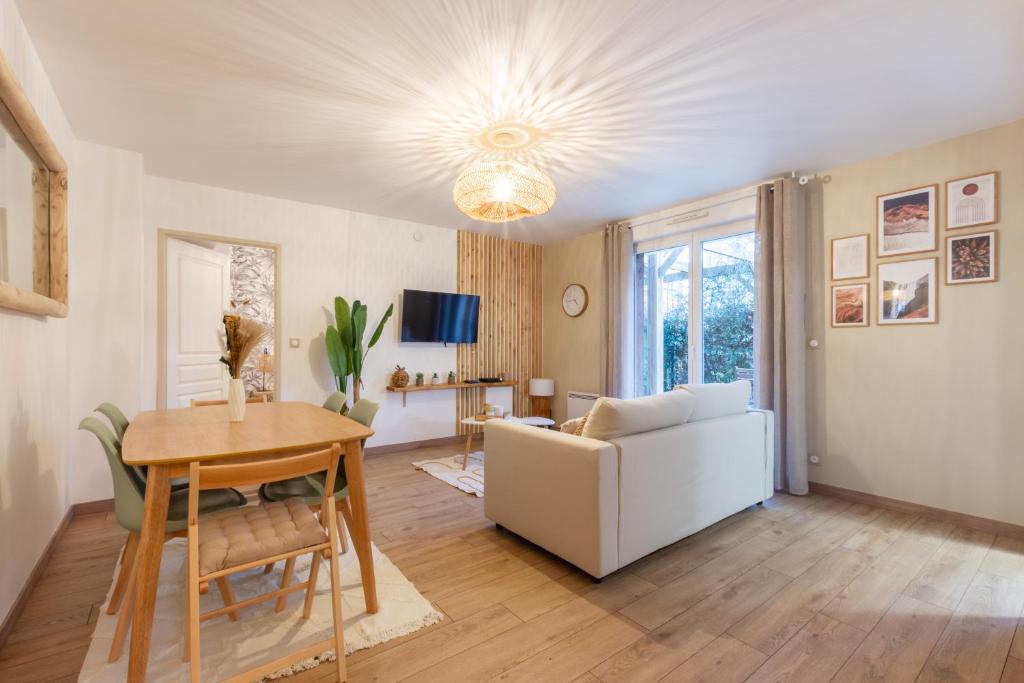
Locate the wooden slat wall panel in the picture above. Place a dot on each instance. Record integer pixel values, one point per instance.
(507, 275)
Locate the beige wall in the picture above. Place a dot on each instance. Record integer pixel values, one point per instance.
(572, 346)
(931, 414)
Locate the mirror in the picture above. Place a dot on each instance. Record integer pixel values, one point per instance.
(24, 250)
(33, 207)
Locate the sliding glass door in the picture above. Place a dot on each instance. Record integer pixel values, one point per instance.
(695, 310)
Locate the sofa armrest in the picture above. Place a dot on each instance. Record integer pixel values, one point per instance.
(769, 451)
(557, 490)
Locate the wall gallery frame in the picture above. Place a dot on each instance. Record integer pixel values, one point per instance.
(850, 257)
(972, 201)
(907, 221)
(908, 292)
(972, 259)
(850, 307)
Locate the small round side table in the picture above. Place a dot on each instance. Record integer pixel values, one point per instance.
(472, 421)
(537, 421)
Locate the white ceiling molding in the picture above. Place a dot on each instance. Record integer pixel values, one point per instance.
(630, 106)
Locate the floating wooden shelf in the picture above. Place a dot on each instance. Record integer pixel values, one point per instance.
(404, 391)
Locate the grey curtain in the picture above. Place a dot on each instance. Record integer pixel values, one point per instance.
(617, 326)
(780, 334)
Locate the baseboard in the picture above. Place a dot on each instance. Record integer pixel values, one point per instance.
(33, 577)
(412, 445)
(984, 524)
(93, 506)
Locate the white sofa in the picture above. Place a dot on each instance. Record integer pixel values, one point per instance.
(601, 505)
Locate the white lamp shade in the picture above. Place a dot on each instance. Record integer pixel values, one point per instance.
(540, 386)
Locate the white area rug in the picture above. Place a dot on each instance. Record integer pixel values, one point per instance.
(230, 647)
(449, 470)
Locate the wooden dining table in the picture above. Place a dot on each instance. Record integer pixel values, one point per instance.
(166, 441)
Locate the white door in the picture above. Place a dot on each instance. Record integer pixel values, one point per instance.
(198, 293)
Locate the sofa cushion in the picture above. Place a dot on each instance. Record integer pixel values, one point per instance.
(718, 400)
(574, 426)
(611, 418)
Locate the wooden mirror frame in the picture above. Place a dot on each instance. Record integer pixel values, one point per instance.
(49, 295)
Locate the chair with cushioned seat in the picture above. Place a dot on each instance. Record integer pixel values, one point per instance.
(336, 402)
(120, 424)
(129, 503)
(232, 541)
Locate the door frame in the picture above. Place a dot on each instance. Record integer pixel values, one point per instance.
(161, 302)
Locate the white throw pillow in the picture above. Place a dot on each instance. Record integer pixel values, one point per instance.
(611, 418)
(718, 400)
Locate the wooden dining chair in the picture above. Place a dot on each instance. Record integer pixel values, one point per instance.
(129, 503)
(196, 403)
(237, 540)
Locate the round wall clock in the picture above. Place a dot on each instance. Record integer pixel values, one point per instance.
(574, 300)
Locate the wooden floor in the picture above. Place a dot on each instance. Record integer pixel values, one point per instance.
(803, 589)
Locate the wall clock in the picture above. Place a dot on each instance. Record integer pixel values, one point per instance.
(574, 300)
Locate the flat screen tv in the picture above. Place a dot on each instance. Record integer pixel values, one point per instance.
(439, 317)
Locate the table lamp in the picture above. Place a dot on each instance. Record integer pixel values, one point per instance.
(541, 391)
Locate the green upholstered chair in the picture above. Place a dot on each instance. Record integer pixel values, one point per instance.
(120, 424)
(129, 504)
(336, 402)
(310, 488)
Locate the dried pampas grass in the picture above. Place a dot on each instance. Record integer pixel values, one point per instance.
(241, 337)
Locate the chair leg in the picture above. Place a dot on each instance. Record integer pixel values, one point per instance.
(127, 564)
(339, 625)
(193, 607)
(286, 578)
(228, 596)
(124, 620)
(342, 535)
(314, 572)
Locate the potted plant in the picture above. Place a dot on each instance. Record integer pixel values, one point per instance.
(345, 343)
(241, 336)
(451, 377)
(419, 379)
(435, 379)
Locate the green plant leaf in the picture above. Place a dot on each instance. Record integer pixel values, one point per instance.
(375, 337)
(342, 316)
(358, 325)
(337, 354)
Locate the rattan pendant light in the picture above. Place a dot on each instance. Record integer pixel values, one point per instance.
(502, 191)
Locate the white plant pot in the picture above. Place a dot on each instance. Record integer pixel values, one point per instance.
(236, 400)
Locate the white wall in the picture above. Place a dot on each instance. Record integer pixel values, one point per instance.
(33, 372)
(325, 252)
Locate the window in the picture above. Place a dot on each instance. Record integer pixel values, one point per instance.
(695, 302)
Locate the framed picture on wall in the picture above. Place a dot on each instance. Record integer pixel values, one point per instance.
(907, 221)
(850, 257)
(972, 201)
(850, 305)
(908, 292)
(971, 258)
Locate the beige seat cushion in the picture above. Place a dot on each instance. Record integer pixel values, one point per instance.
(255, 532)
(611, 418)
(718, 400)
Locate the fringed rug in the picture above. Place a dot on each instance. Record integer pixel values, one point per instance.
(261, 635)
(449, 470)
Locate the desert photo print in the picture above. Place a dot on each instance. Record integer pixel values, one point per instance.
(850, 305)
(907, 292)
(906, 221)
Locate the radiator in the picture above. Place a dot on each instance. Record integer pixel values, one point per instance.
(579, 403)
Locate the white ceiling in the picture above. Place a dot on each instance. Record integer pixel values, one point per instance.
(376, 106)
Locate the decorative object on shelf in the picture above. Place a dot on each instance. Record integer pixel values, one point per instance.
(405, 391)
(907, 221)
(344, 339)
(850, 305)
(907, 292)
(574, 300)
(971, 258)
(972, 201)
(503, 191)
(451, 377)
(241, 336)
(541, 391)
(419, 379)
(399, 378)
(850, 257)
(434, 380)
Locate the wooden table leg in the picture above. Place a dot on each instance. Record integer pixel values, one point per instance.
(469, 444)
(147, 568)
(360, 527)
